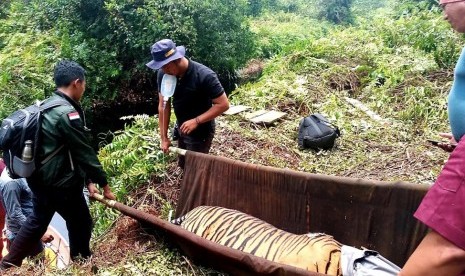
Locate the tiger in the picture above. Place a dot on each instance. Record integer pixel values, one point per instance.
(316, 252)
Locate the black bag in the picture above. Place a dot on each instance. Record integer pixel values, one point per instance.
(316, 132)
(21, 126)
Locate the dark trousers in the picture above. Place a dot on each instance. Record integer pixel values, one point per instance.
(74, 210)
(38, 248)
(187, 142)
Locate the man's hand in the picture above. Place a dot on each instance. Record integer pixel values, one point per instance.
(47, 237)
(452, 143)
(165, 144)
(107, 193)
(92, 189)
(448, 136)
(188, 126)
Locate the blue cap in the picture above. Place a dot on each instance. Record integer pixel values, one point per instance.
(163, 52)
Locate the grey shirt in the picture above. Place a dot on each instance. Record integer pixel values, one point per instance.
(16, 198)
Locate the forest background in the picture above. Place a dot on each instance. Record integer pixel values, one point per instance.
(299, 57)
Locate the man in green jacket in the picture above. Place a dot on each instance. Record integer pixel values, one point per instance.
(67, 163)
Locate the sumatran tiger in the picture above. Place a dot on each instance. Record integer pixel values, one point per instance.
(315, 252)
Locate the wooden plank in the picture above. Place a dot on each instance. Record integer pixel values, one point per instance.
(234, 109)
(268, 117)
(249, 116)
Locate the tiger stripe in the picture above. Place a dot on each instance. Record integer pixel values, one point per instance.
(314, 252)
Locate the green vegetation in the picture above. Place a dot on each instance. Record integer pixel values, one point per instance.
(398, 66)
(112, 40)
(381, 63)
(25, 59)
(281, 31)
(130, 161)
(395, 58)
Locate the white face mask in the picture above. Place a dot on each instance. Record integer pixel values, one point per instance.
(168, 85)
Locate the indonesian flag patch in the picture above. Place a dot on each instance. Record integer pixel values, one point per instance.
(73, 116)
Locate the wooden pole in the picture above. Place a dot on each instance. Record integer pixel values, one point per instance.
(101, 198)
(178, 150)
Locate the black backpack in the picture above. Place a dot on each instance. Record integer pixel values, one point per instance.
(21, 126)
(316, 132)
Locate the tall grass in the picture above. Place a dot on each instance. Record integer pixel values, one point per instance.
(394, 64)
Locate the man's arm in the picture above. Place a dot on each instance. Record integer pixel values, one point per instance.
(220, 105)
(434, 256)
(164, 114)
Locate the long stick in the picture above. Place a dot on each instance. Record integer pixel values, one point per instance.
(356, 103)
(101, 198)
(134, 213)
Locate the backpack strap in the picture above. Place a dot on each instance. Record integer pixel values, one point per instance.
(49, 105)
(323, 119)
(53, 103)
(43, 107)
(51, 155)
(26, 121)
(315, 125)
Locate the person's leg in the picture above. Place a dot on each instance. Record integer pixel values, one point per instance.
(79, 223)
(8, 244)
(200, 145)
(181, 158)
(37, 249)
(194, 144)
(29, 235)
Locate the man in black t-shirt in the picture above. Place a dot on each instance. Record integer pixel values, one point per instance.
(198, 98)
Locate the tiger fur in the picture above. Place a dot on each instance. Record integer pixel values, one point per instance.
(315, 252)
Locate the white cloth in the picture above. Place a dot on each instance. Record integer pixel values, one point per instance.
(356, 262)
